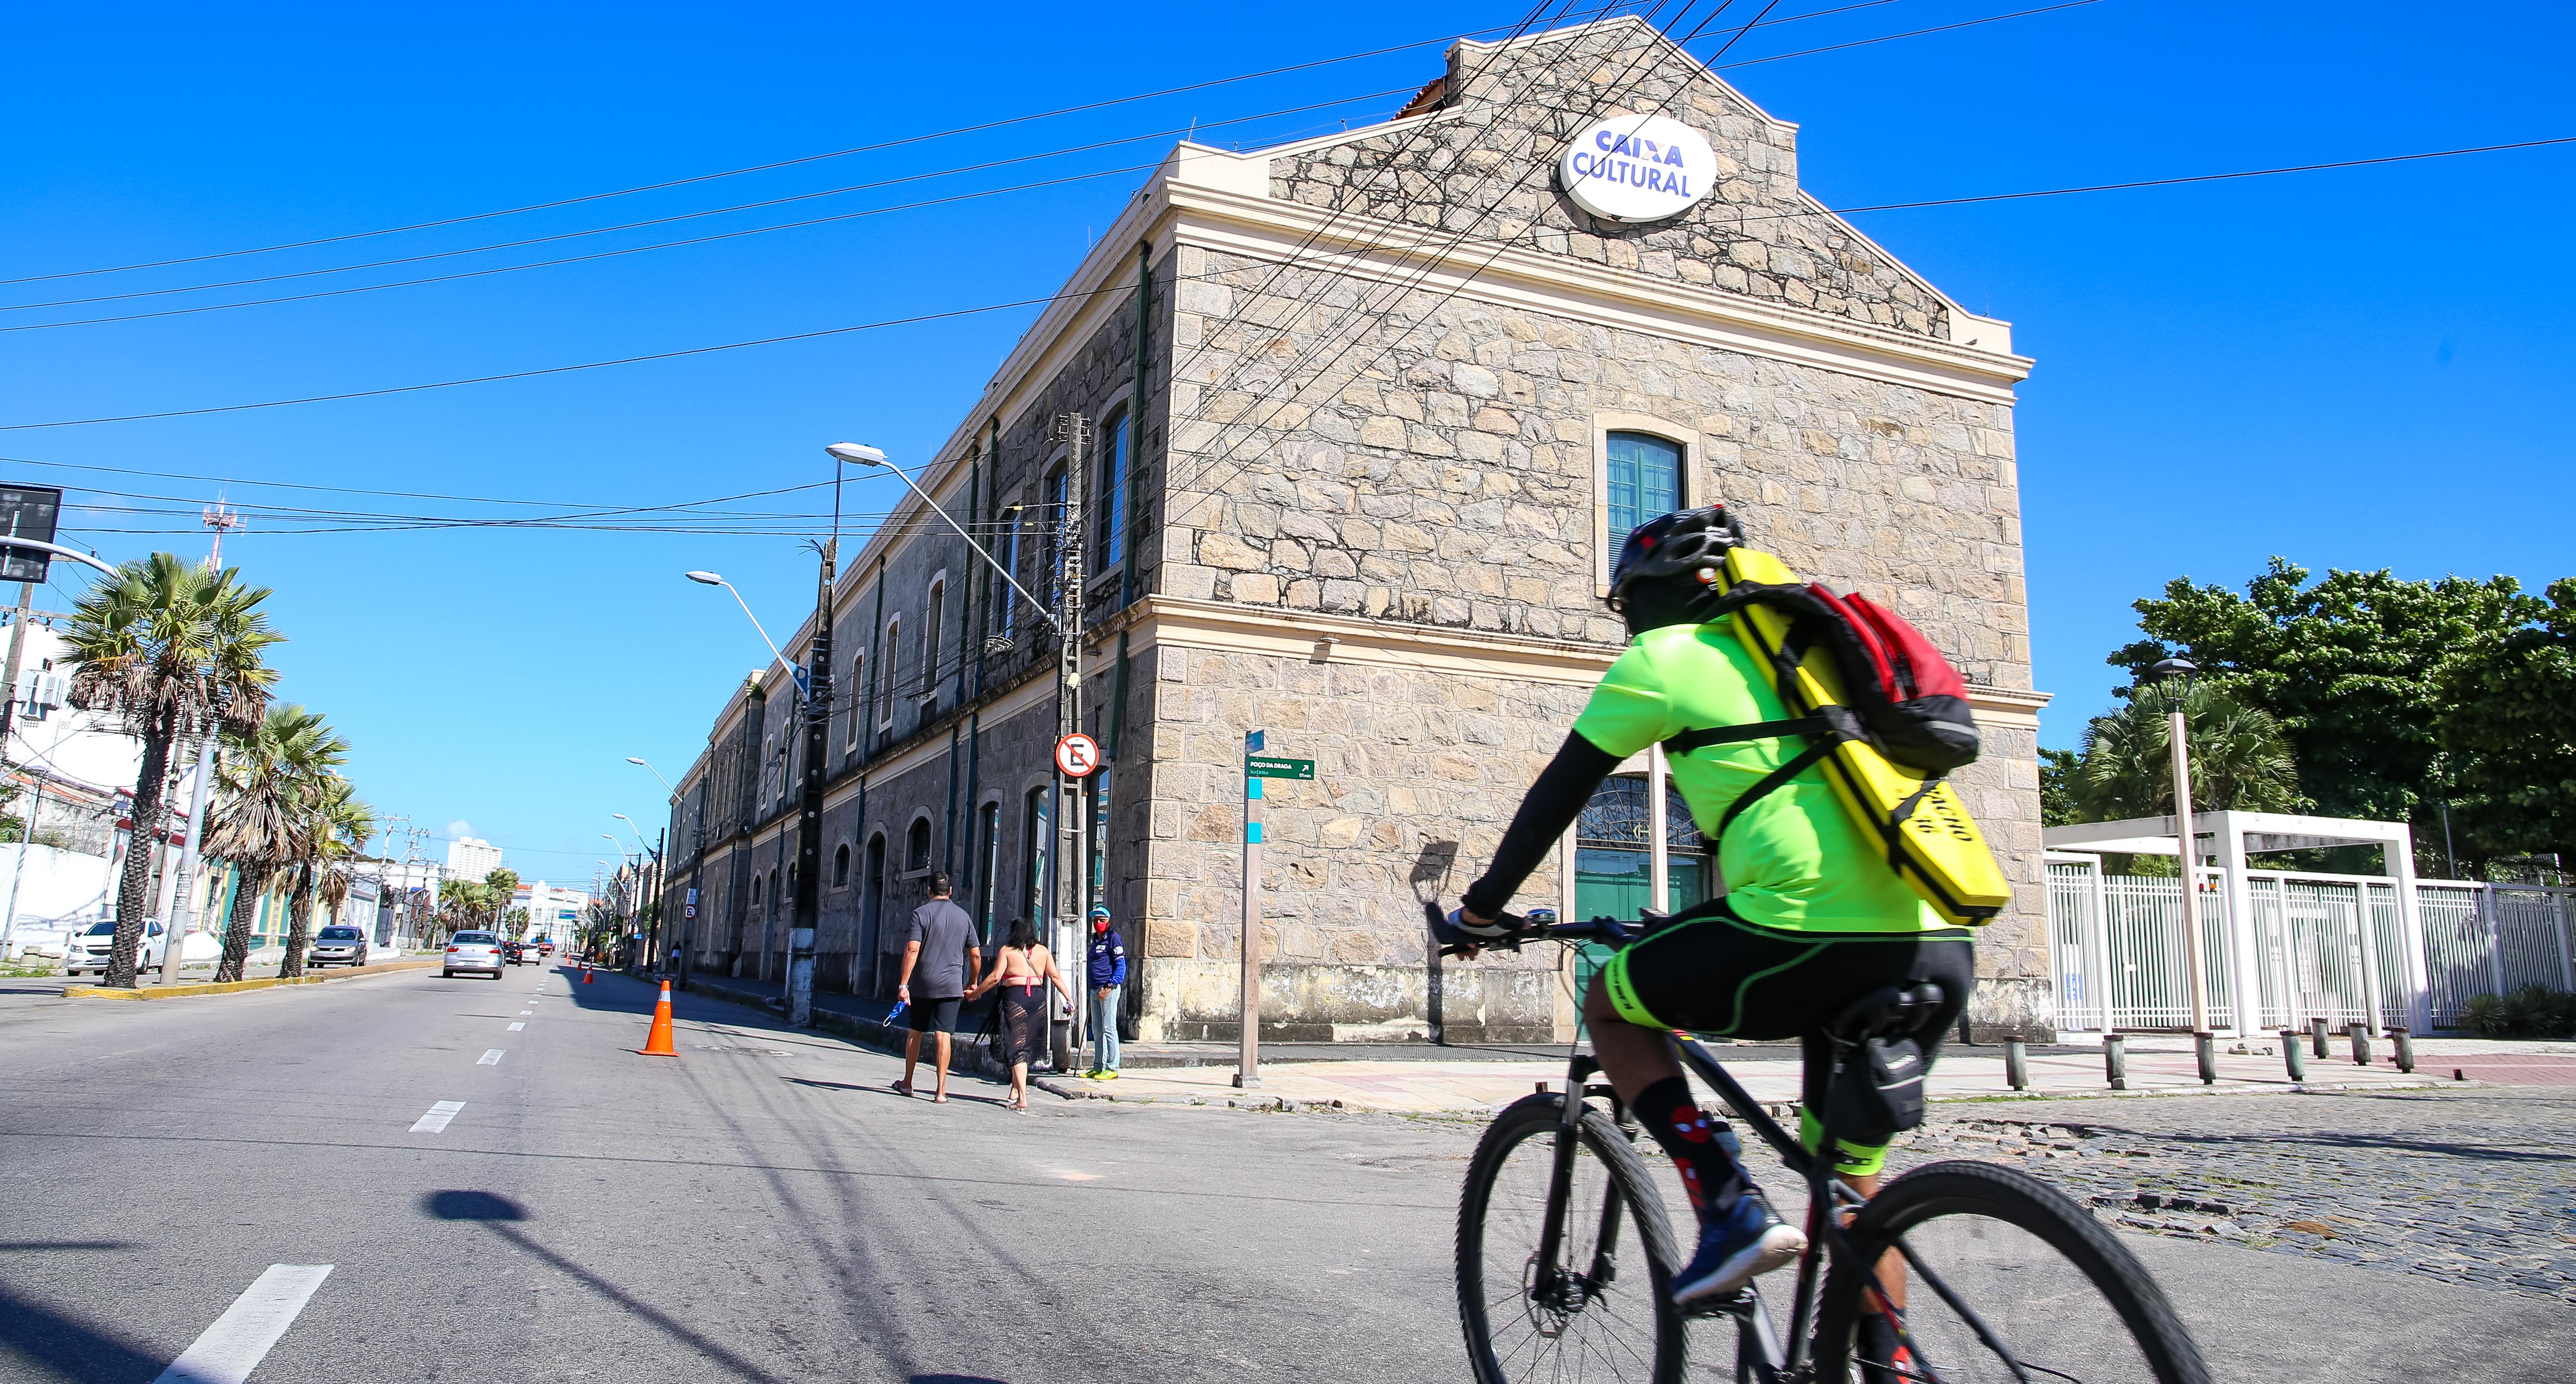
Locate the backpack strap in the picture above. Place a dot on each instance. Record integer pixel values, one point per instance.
(1690, 740)
(1823, 746)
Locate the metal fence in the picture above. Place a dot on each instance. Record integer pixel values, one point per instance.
(2309, 946)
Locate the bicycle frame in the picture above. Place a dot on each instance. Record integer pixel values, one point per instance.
(1826, 1193)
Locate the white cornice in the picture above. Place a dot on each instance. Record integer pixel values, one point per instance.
(1314, 637)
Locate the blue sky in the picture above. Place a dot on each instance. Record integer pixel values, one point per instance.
(2350, 368)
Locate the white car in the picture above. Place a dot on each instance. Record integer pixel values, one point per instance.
(472, 951)
(90, 950)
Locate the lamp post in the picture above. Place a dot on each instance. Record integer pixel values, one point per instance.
(686, 937)
(2166, 673)
(1072, 869)
(650, 876)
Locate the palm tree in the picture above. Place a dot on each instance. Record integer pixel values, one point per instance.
(335, 825)
(504, 883)
(2239, 758)
(175, 649)
(261, 826)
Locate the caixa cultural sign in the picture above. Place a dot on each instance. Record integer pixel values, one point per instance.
(1637, 168)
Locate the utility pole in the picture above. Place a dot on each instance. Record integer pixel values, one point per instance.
(1073, 863)
(2176, 674)
(817, 710)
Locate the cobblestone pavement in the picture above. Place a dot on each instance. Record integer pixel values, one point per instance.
(2466, 1186)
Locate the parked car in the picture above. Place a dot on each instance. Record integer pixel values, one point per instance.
(338, 946)
(472, 951)
(89, 951)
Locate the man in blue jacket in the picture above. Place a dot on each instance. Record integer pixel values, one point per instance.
(1108, 971)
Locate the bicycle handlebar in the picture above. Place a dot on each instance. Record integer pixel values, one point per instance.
(1512, 930)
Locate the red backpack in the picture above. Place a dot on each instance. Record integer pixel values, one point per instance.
(1900, 694)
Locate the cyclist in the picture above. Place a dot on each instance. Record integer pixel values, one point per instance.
(1812, 918)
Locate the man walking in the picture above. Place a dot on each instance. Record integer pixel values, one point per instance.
(941, 945)
(1108, 971)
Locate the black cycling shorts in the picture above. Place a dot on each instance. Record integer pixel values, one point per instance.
(1710, 972)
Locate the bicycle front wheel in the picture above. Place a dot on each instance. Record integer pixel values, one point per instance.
(1600, 1307)
(2005, 1279)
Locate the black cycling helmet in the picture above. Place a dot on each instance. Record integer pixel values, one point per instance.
(1675, 556)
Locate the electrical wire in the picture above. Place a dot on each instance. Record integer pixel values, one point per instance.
(1123, 288)
(835, 154)
(1912, 33)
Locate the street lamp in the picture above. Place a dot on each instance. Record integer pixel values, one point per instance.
(857, 455)
(2167, 672)
(795, 674)
(666, 783)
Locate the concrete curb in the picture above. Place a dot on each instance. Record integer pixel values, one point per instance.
(227, 987)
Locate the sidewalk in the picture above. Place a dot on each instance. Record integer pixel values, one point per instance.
(2157, 1064)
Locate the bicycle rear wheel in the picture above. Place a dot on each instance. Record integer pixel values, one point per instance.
(1601, 1308)
(2006, 1279)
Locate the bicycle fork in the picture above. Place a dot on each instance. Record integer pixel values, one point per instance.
(1549, 1284)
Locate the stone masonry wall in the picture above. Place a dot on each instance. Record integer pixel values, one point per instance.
(1489, 174)
(1416, 774)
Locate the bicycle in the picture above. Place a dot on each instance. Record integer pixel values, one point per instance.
(2004, 1278)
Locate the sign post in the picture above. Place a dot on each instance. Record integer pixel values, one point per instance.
(1256, 767)
(1248, 1066)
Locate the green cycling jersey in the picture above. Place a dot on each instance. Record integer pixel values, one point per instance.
(1795, 859)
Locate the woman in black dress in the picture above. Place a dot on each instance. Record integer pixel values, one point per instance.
(1018, 970)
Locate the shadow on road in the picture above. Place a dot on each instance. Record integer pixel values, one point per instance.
(65, 1347)
(501, 1215)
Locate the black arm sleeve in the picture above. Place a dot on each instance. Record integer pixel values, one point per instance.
(1553, 803)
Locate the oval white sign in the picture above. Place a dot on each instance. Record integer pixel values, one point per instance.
(1637, 168)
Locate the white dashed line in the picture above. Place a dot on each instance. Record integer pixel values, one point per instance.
(437, 1118)
(516, 1027)
(526, 1012)
(241, 1337)
(491, 1058)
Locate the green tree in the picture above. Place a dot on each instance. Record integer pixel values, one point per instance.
(502, 882)
(270, 775)
(2239, 758)
(175, 650)
(2352, 667)
(2510, 725)
(2057, 787)
(334, 826)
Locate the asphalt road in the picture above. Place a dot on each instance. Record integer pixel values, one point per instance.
(763, 1208)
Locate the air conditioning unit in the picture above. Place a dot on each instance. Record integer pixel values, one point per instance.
(40, 691)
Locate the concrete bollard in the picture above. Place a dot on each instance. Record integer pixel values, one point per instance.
(2317, 1035)
(2115, 1060)
(2016, 1064)
(2205, 1046)
(2360, 1043)
(2294, 1053)
(2405, 1043)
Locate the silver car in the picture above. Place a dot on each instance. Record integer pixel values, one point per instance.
(338, 946)
(473, 951)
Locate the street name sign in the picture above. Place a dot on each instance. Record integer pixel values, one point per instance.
(1265, 766)
(28, 511)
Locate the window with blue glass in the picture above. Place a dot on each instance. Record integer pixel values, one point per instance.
(1645, 480)
(1110, 548)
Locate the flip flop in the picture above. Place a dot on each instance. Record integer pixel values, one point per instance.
(939, 1100)
(903, 1088)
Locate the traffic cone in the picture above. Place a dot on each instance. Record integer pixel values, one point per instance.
(658, 1042)
(585, 973)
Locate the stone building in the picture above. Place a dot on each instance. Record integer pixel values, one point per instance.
(1371, 413)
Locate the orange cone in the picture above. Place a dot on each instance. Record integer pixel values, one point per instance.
(585, 973)
(658, 1042)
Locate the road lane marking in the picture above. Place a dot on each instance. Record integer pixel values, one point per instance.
(436, 1120)
(516, 1027)
(242, 1336)
(526, 1012)
(491, 1058)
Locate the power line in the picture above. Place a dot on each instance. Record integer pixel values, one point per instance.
(717, 211)
(1122, 288)
(1911, 33)
(835, 154)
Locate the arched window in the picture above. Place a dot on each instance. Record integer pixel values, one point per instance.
(1645, 480)
(930, 627)
(891, 669)
(755, 893)
(1036, 834)
(1612, 856)
(916, 846)
(1109, 547)
(841, 867)
(987, 859)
